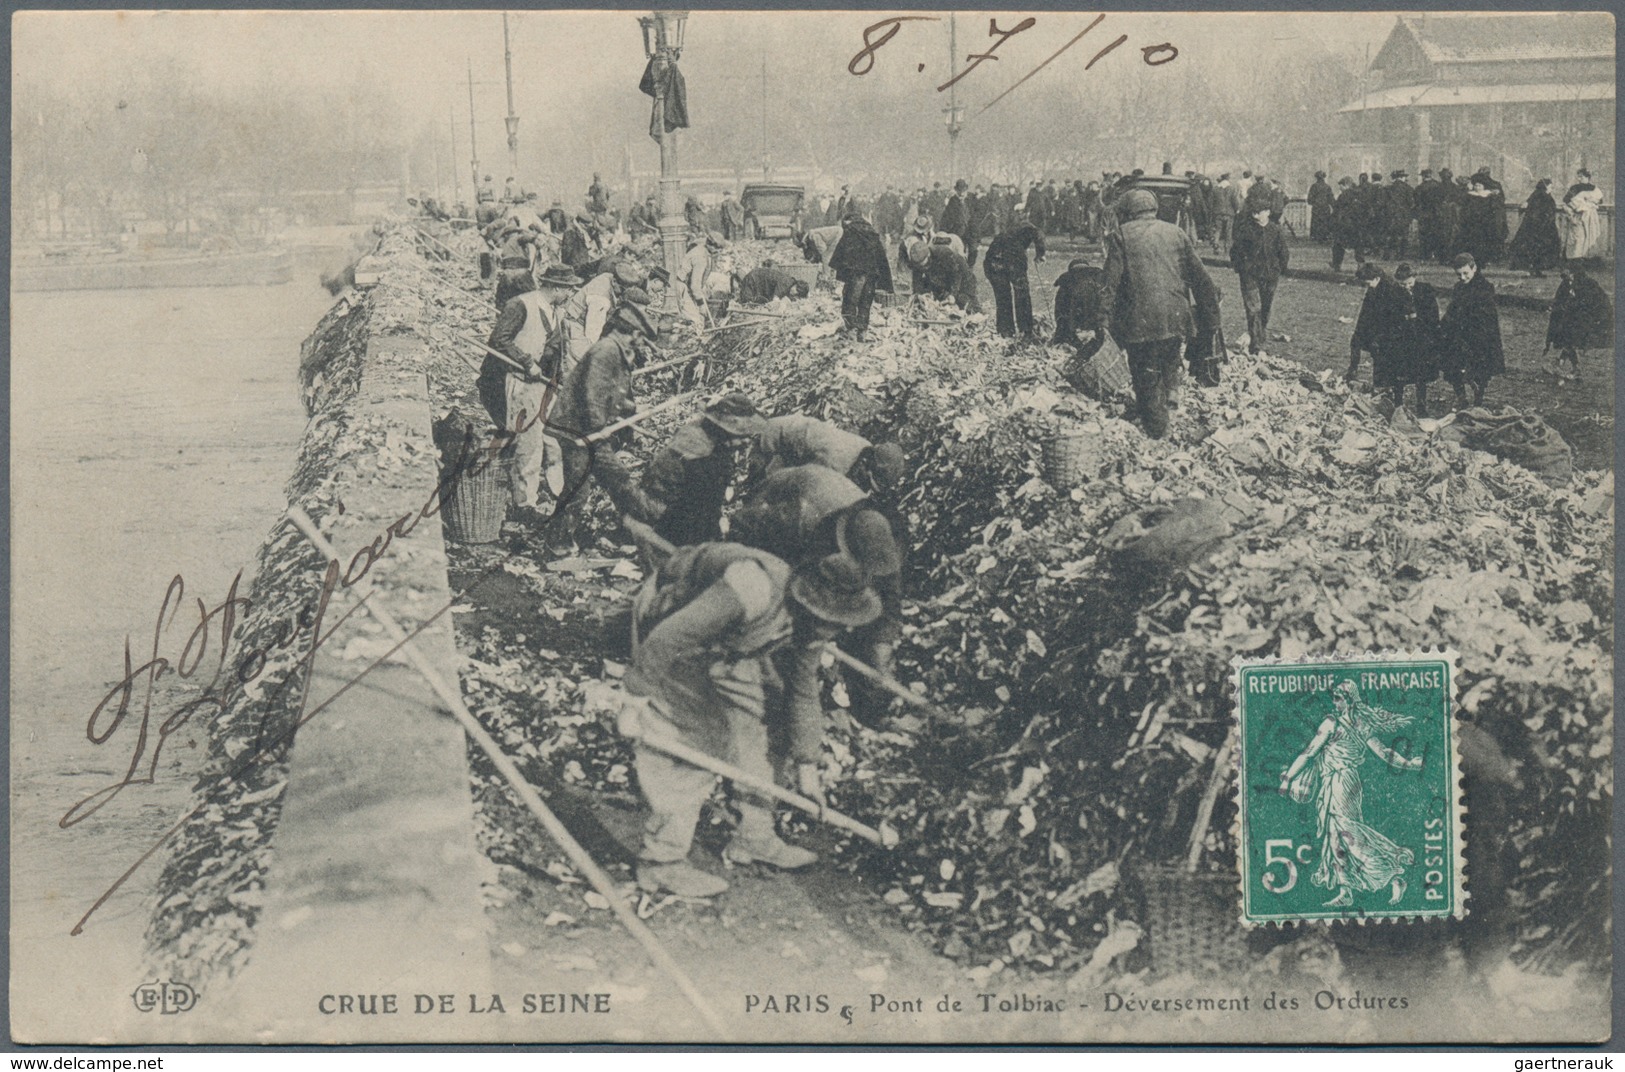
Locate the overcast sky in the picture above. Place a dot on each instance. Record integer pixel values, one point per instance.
(575, 68)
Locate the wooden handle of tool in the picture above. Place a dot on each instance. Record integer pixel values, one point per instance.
(498, 354)
(453, 699)
(645, 370)
(706, 761)
(1204, 810)
(627, 422)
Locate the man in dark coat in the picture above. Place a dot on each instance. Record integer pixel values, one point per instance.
(1259, 256)
(596, 393)
(1451, 194)
(761, 285)
(1320, 209)
(1152, 271)
(1345, 224)
(1005, 266)
(942, 273)
(686, 484)
(957, 220)
(1399, 208)
(862, 266)
(1428, 195)
(1398, 326)
(1582, 319)
(1080, 308)
(1470, 333)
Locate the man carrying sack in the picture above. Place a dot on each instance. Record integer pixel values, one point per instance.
(727, 629)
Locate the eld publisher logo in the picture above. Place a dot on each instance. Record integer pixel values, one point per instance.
(166, 998)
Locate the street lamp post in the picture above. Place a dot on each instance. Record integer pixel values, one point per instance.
(954, 113)
(663, 44)
(512, 120)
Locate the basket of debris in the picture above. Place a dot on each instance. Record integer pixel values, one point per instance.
(1193, 921)
(1101, 374)
(473, 481)
(1071, 456)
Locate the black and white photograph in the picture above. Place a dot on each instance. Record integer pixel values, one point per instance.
(811, 527)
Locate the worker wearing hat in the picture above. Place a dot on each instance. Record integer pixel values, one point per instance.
(516, 392)
(807, 512)
(691, 280)
(686, 484)
(594, 394)
(731, 639)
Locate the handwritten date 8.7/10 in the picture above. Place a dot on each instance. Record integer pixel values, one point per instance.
(877, 35)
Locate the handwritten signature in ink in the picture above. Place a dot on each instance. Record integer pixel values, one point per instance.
(114, 710)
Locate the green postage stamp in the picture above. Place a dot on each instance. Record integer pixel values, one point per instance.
(1349, 791)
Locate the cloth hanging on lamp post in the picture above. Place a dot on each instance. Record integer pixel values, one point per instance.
(672, 88)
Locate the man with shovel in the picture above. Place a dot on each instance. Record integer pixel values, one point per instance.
(515, 392)
(725, 626)
(595, 393)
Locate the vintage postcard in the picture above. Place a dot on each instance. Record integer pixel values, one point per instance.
(847, 527)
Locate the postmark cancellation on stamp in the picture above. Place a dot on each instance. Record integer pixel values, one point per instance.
(1349, 789)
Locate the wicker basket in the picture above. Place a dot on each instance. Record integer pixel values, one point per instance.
(1194, 922)
(475, 504)
(1071, 457)
(1103, 375)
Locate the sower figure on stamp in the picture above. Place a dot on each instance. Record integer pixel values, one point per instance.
(1353, 856)
(731, 641)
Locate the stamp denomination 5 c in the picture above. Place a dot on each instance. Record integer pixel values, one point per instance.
(1349, 794)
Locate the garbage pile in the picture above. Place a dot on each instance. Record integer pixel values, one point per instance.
(1082, 636)
(1076, 621)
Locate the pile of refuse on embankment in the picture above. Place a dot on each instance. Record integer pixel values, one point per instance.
(1075, 593)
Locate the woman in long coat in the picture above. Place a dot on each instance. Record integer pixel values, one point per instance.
(1483, 227)
(1537, 247)
(1580, 214)
(1470, 333)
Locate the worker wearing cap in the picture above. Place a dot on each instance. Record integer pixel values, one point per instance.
(731, 639)
(581, 245)
(795, 439)
(587, 311)
(686, 484)
(516, 260)
(1080, 315)
(696, 266)
(1152, 273)
(596, 393)
(942, 273)
(527, 332)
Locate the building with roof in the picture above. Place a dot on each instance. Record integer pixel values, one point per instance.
(1530, 95)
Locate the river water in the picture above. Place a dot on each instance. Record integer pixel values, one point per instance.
(151, 434)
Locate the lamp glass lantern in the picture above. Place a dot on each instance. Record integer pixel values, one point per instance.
(663, 30)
